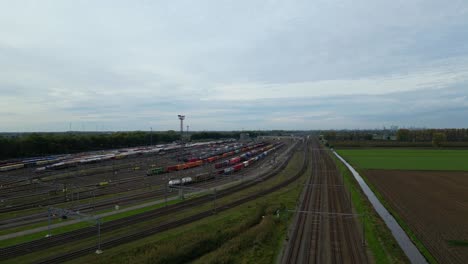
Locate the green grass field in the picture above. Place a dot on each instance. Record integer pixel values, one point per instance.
(407, 159)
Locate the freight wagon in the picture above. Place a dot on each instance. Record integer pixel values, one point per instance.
(102, 184)
(193, 179)
(155, 171)
(12, 167)
(234, 160)
(238, 167)
(171, 168)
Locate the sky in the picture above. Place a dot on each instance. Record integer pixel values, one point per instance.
(232, 65)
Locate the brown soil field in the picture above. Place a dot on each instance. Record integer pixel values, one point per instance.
(434, 204)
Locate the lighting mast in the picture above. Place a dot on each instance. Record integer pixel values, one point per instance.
(181, 118)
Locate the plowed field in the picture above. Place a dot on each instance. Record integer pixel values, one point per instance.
(434, 204)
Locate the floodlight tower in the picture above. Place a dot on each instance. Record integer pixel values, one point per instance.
(181, 118)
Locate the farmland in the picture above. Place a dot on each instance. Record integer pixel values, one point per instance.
(426, 190)
(407, 159)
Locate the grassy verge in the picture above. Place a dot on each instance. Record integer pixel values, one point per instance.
(72, 227)
(424, 251)
(379, 238)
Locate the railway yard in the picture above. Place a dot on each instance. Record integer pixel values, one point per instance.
(133, 179)
(114, 181)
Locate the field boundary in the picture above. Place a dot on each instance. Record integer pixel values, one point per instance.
(402, 238)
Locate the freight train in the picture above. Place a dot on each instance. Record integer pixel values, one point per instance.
(239, 164)
(83, 158)
(248, 161)
(188, 180)
(216, 156)
(19, 164)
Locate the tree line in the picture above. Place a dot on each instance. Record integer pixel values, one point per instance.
(38, 144)
(402, 135)
(427, 135)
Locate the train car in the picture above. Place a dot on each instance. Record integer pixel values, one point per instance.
(12, 167)
(181, 166)
(189, 165)
(228, 170)
(238, 167)
(155, 171)
(171, 168)
(234, 160)
(245, 156)
(222, 164)
(44, 162)
(102, 184)
(174, 182)
(198, 163)
(40, 170)
(212, 159)
(62, 165)
(30, 162)
(203, 177)
(186, 180)
(193, 179)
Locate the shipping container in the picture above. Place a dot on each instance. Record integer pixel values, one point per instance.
(234, 160)
(238, 167)
(171, 168)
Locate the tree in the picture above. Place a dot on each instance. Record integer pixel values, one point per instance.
(330, 135)
(438, 138)
(403, 134)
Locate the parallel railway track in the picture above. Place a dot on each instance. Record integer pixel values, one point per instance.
(325, 231)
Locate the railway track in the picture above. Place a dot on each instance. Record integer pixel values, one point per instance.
(45, 243)
(325, 230)
(90, 191)
(128, 199)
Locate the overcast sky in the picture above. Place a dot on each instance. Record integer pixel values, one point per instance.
(132, 65)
